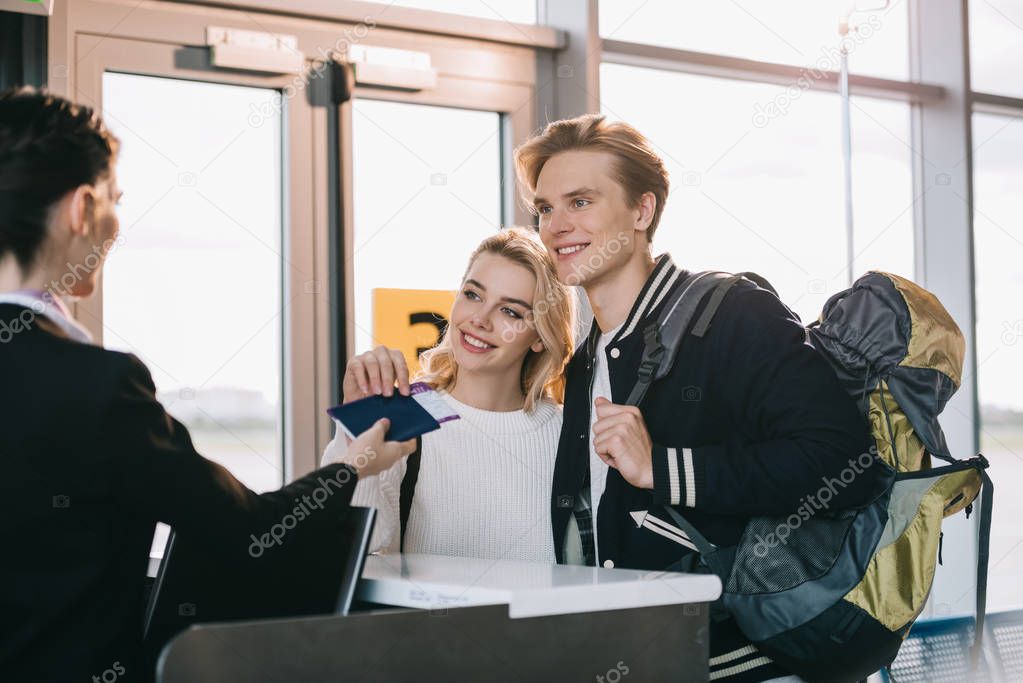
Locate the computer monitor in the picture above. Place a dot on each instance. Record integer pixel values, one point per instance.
(307, 575)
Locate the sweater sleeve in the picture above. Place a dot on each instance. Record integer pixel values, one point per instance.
(794, 432)
(158, 474)
(381, 491)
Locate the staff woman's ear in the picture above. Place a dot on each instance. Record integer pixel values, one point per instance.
(82, 210)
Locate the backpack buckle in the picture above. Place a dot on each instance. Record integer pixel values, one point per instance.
(654, 351)
(647, 369)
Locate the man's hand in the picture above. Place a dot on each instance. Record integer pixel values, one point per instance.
(375, 372)
(621, 439)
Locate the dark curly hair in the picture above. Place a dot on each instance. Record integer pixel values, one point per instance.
(48, 146)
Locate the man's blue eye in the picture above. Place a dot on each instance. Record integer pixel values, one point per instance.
(579, 203)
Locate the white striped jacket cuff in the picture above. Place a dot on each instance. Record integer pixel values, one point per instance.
(678, 478)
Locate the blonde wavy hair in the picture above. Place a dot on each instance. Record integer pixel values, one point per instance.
(553, 316)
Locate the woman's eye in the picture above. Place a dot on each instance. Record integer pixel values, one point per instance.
(469, 294)
(512, 313)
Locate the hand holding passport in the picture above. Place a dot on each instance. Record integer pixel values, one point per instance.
(422, 411)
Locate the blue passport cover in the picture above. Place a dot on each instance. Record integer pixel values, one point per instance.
(408, 418)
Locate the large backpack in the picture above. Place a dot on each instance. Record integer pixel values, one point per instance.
(834, 599)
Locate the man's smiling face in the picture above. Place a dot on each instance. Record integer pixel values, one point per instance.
(586, 222)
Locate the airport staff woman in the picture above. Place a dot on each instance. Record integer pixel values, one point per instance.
(89, 460)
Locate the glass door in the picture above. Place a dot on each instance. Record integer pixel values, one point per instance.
(422, 203)
(194, 288)
(212, 282)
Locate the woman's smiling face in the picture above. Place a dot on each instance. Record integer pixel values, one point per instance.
(492, 319)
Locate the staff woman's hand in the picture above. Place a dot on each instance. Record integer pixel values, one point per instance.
(374, 373)
(370, 454)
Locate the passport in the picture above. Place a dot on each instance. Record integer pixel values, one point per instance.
(421, 412)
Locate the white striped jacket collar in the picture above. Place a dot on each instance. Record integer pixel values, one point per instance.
(665, 275)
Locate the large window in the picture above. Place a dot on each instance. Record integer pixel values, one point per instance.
(760, 192)
(800, 32)
(998, 253)
(996, 49)
(996, 46)
(422, 201)
(193, 286)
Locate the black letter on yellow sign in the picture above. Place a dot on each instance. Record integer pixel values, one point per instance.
(437, 321)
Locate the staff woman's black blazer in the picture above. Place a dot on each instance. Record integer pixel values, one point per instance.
(89, 462)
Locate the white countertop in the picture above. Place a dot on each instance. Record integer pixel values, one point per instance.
(529, 589)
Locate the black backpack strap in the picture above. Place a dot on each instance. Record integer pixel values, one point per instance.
(760, 281)
(983, 552)
(408, 487)
(708, 551)
(713, 304)
(703, 324)
(663, 336)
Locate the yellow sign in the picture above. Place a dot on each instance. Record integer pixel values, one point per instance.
(410, 320)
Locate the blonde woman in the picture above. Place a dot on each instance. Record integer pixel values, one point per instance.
(484, 481)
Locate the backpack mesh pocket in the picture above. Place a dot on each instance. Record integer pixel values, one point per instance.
(775, 555)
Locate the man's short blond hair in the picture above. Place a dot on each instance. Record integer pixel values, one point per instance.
(638, 168)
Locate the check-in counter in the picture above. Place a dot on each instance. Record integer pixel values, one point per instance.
(428, 617)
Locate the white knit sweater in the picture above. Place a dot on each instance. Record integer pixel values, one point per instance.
(484, 487)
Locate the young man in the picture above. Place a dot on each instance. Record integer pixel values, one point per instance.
(749, 421)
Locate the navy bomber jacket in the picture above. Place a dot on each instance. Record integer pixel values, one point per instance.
(750, 421)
